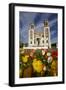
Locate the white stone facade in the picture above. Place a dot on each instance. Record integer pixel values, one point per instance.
(39, 39)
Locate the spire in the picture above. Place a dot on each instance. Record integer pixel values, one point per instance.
(46, 23)
(32, 26)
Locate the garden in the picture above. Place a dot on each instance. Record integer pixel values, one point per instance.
(38, 63)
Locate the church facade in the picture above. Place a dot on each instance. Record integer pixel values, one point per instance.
(39, 39)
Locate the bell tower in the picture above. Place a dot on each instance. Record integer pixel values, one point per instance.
(47, 34)
(31, 35)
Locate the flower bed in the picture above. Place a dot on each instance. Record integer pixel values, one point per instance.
(38, 63)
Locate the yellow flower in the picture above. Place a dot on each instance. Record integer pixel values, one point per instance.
(37, 65)
(25, 58)
(53, 65)
(54, 68)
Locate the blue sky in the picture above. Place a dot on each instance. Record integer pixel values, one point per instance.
(26, 18)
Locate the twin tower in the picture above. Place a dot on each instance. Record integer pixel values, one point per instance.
(39, 39)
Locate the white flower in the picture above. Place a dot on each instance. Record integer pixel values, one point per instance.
(50, 59)
(44, 60)
(43, 52)
(44, 68)
(48, 54)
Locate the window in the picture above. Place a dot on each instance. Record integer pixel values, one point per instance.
(46, 41)
(31, 42)
(42, 35)
(43, 41)
(46, 32)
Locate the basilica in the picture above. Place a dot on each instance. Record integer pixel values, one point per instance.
(39, 39)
